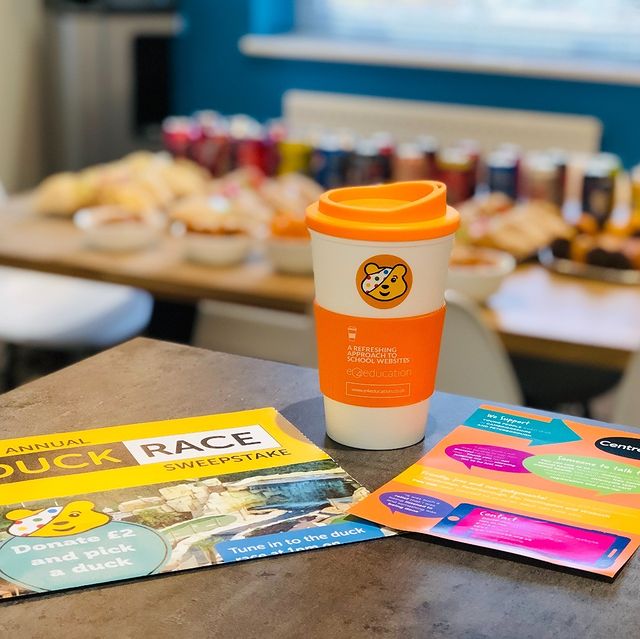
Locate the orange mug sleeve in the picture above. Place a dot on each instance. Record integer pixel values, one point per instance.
(379, 362)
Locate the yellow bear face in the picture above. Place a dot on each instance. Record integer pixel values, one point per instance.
(56, 521)
(384, 283)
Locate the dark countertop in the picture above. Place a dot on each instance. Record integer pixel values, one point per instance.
(396, 587)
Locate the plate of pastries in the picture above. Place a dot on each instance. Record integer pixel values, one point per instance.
(132, 203)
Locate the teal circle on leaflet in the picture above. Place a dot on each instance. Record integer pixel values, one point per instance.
(111, 552)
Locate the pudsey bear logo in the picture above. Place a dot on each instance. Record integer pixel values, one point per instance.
(384, 281)
(56, 521)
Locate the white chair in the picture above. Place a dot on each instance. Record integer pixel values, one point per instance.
(473, 361)
(256, 332)
(626, 408)
(66, 313)
(56, 311)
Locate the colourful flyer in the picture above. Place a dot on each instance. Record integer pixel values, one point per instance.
(122, 502)
(547, 488)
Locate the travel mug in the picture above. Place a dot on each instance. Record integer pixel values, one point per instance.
(380, 259)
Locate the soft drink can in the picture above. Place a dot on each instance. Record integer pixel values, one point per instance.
(598, 192)
(635, 199)
(250, 152)
(386, 148)
(294, 156)
(610, 161)
(454, 166)
(275, 133)
(409, 163)
(502, 173)
(247, 142)
(211, 147)
(177, 135)
(474, 153)
(561, 163)
(541, 178)
(429, 147)
(366, 165)
(635, 188)
(329, 162)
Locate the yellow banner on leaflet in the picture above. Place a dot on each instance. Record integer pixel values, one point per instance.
(63, 464)
(122, 502)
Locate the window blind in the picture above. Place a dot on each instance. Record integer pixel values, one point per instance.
(596, 29)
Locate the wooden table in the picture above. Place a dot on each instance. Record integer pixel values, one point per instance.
(541, 314)
(404, 587)
(54, 245)
(535, 313)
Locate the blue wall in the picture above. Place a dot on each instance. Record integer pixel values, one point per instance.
(212, 73)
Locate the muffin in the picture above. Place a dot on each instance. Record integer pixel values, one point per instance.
(212, 232)
(113, 228)
(289, 245)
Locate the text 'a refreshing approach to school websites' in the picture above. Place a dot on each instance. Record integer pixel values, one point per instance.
(535, 486)
(122, 502)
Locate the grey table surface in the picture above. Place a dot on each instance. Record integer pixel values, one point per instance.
(394, 587)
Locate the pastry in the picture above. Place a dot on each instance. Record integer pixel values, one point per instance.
(288, 225)
(184, 177)
(62, 194)
(212, 215)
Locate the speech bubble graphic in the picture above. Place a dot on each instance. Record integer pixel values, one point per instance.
(604, 476)
(539, 431)
(415, 504)
(531, 536)
(628, 447)
(506, 460)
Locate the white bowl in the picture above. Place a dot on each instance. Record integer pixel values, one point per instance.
(103, 231)
(290, 255)
(481, 281)
(216, 250)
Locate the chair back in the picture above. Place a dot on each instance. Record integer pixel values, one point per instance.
(256, 332)
(473, 361)
(626, 409)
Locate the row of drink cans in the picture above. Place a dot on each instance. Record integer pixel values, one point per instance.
(337, 159)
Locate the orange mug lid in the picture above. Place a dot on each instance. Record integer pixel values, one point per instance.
(396, 212)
